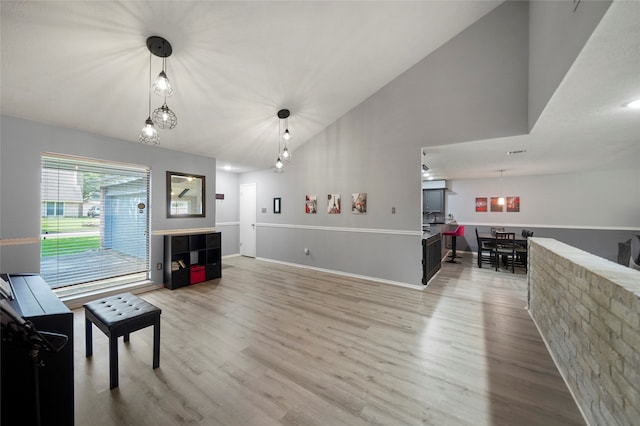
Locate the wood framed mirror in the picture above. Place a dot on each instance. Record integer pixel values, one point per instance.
(185, 195)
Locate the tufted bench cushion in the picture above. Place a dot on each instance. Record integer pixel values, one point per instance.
(117, 316)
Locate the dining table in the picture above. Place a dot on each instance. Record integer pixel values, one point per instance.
(489, 238)
(519, 241)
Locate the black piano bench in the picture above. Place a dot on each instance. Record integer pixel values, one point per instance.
(117, 316)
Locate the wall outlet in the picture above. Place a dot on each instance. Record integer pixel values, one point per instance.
(264, 210)
(393, 210)
(159, 266)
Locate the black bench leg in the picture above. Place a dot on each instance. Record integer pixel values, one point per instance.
(156, 342)
(113, 362)
(88, 337)
(126, 337)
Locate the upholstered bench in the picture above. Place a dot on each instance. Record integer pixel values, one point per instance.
(117, 316)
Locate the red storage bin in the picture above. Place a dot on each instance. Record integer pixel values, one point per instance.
(197, 273)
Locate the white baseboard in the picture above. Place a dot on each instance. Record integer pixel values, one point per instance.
(347, 274)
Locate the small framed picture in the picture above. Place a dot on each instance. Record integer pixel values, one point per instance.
(276, 205)
(513, 204)
(359, 203)
(310, 204)
(481, 204)
(495, 204)
(333, 204)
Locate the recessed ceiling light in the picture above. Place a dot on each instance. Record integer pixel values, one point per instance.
(633, 104)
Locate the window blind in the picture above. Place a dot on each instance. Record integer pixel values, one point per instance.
(95, 221)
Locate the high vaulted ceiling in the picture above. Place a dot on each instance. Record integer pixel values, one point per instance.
(85, 65)
(584, 127)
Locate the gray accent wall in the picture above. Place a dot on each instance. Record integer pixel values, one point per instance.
(557, 35)
(473, 87)
(21, 145)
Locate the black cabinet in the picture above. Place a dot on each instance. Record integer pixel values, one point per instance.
(431, 256)
(192, 258)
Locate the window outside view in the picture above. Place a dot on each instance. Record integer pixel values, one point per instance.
(92, 227)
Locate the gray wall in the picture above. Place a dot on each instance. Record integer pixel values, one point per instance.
(585, 210)
(557, 36)
(473, 87)
(21, 145)
(227, 211)
(604, 199)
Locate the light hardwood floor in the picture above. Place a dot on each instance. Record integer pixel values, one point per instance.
(269, 344)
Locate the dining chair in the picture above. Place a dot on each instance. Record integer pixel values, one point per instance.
(485, 251)
(505, 249)
(521, 249)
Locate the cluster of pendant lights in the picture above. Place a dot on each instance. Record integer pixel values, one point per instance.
(161, 117)
(284, 139)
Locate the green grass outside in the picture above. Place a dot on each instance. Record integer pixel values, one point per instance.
(69, 224)
(52, 246)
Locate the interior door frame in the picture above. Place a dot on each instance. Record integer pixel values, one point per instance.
(248, 218)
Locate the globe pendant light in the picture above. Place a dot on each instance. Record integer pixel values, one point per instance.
(286, 155)
(164, 118)
(149, 134)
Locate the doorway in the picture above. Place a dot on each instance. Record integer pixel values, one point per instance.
(248, 214)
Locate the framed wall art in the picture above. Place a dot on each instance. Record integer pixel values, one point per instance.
(481, 204)
(495, 207)
(311, 204)
(359, 203)
(333, 204)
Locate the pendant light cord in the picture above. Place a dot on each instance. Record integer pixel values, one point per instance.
(149, 87)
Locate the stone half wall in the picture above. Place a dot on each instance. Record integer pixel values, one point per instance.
(588, 312)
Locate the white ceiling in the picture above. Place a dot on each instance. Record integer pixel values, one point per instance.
(584, 126)
(85, 65)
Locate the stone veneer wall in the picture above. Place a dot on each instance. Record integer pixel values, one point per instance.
(588, 312)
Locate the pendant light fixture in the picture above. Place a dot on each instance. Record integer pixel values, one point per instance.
(149, 134)
(501, 198)
(285, 155)
(284, 114)
(161, 117)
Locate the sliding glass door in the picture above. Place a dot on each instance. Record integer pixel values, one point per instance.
(95, 221)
